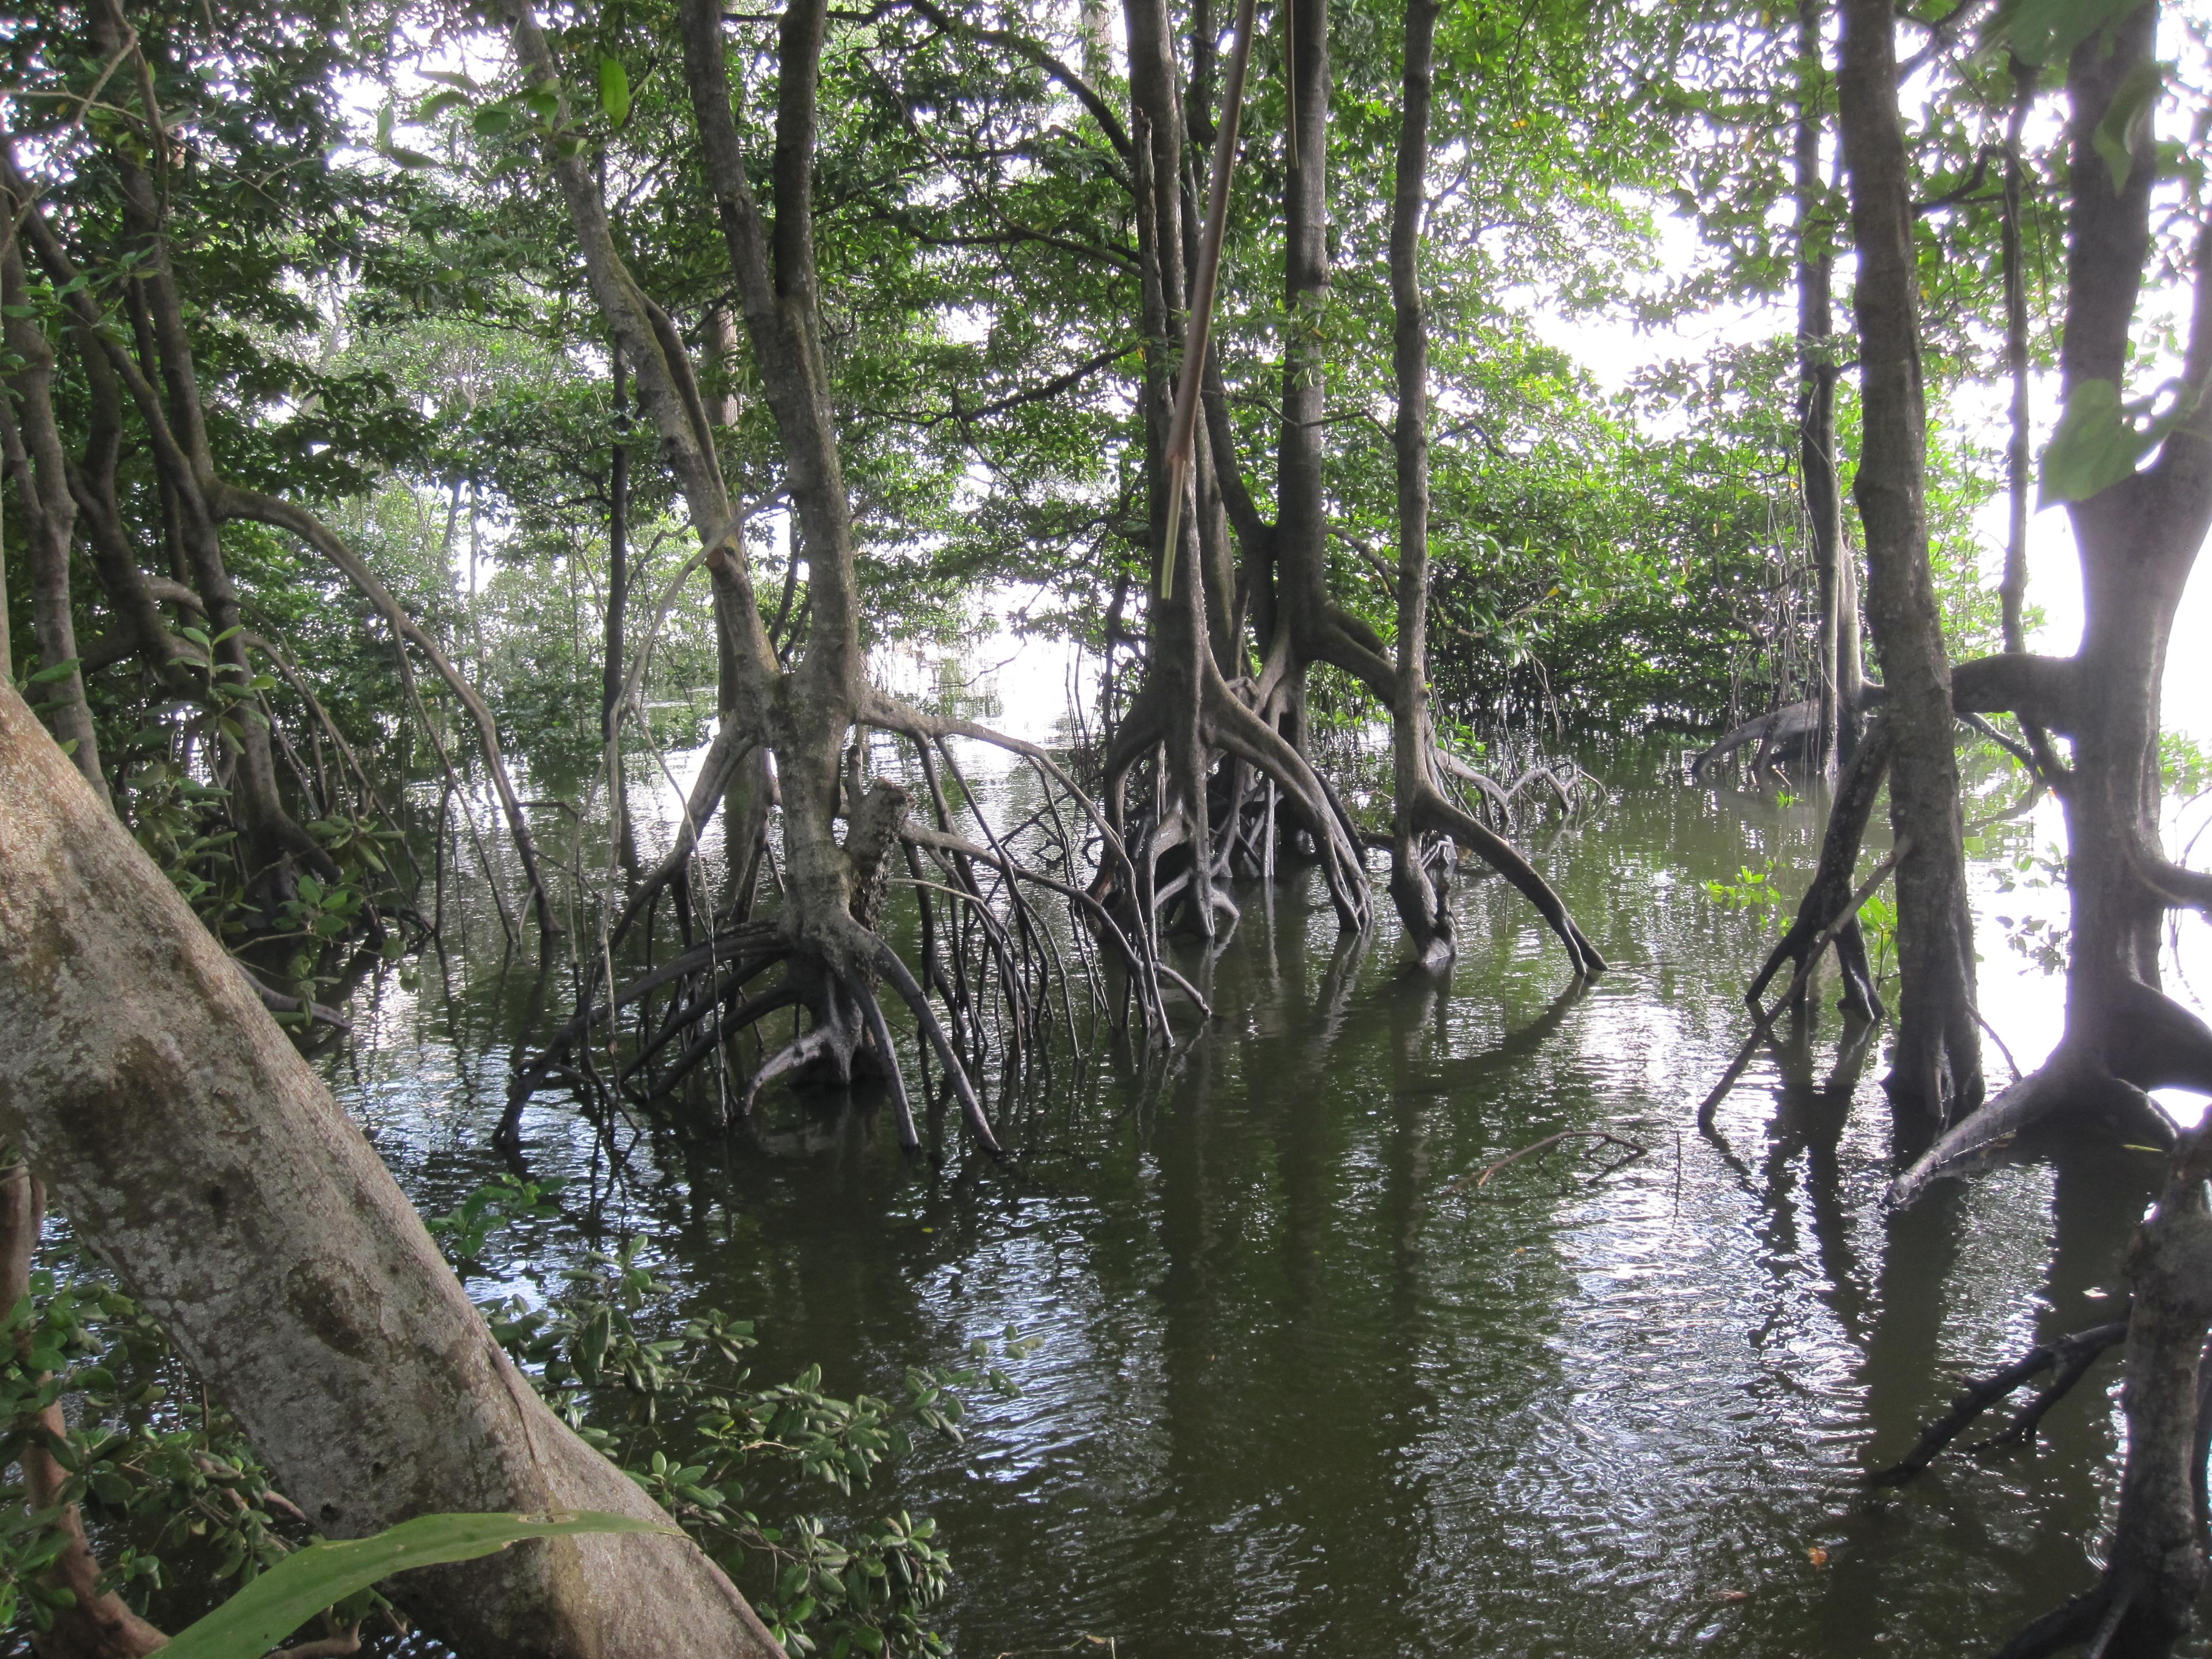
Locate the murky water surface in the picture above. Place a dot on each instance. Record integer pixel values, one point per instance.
(1302, 1388)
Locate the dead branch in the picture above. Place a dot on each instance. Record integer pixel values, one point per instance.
(1480, 1178)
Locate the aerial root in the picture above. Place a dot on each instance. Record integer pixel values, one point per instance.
(719, 1029)
(2068, 1081)
(700, 980)
(1499, 798)
(1430, 812)
(895, 970)
(1832, 933)
(880, 1032)
(1792, 723)
(1001, 971)
(2069, 1358)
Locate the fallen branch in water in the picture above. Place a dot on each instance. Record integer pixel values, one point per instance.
(1481, 1177)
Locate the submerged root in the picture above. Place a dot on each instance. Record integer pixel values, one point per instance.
(2069, 1358)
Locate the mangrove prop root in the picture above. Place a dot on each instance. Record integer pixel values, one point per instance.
(2069, 1356)
(1825, 937)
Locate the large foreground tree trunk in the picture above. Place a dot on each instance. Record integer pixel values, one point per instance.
(194, 1151)
(1937, 1063)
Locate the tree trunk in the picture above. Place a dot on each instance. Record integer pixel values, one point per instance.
(617, 549)
(800, 717)
(2137, 539)
(193, 1149)
(1835, 729)
(31, 445)
(97, 1624)
(1936, 1064)
(2012, 589)
(1420, 899)
(617, 617)
(1301, 546)
(2137, 543)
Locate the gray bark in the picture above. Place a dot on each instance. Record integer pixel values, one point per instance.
(1835, 703)
(1936, 1064)
(196, 1152)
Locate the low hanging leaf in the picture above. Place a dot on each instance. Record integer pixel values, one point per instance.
(2096, 444)
(439, 102)
(614, 90)
(2047, 31)
(306, 1582)
(2127, 118)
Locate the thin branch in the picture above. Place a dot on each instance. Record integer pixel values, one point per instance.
(1480, 1178)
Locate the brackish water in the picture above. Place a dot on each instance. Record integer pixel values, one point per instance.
(1302, 1388)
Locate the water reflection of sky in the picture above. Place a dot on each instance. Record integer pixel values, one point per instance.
(1295, 1391)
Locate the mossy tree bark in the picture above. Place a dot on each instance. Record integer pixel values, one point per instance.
(193, 1149)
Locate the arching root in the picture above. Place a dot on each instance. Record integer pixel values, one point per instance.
(2138, 1040)
(1782, 734)
(2069, 1358)
(998, 965)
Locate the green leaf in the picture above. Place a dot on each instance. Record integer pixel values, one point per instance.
(304, 1583)
(447, 78)
(2094, 446)
(614, 89)
(2047, 31)
(2127, 118)
(439, 102)
(60, 671)
(492, 120)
